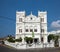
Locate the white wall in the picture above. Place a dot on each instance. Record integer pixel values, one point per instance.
(31, 24)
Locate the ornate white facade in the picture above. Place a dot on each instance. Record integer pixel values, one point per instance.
(26, 24)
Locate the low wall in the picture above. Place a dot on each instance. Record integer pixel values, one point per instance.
(27, 46)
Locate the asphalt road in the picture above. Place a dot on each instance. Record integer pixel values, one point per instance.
(7, 49)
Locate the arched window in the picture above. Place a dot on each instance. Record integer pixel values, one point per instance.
(26, 30)
(31, 30)
(20, 19)
(42, 19)
(42, 30)
(35, 30)
(41, 39)
(20, 30)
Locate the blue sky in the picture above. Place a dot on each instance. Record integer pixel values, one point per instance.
(8, 10)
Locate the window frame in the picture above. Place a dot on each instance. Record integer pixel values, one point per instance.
(42, 30)
(42, 19)
(35, 30)
(20, 30)
(20, 19)
(26, 30)
(31, 30)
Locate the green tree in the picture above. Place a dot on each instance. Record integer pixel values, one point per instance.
(51, 37)
(29, 40)
(9, 36)
(56, 41)
(25, 38)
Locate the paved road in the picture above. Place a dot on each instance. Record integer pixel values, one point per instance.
(6, 49)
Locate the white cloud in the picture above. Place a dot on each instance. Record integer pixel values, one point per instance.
(55, 24)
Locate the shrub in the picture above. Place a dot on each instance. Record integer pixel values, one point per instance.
(19, 40)
(3, 42)
(25, 38)
(11, 40)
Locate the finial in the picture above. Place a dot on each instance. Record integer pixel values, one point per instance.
(31, 12)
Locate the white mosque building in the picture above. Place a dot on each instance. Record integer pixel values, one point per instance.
(28, 24)
(25, 25)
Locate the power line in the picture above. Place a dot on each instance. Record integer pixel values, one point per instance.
(7, 18)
